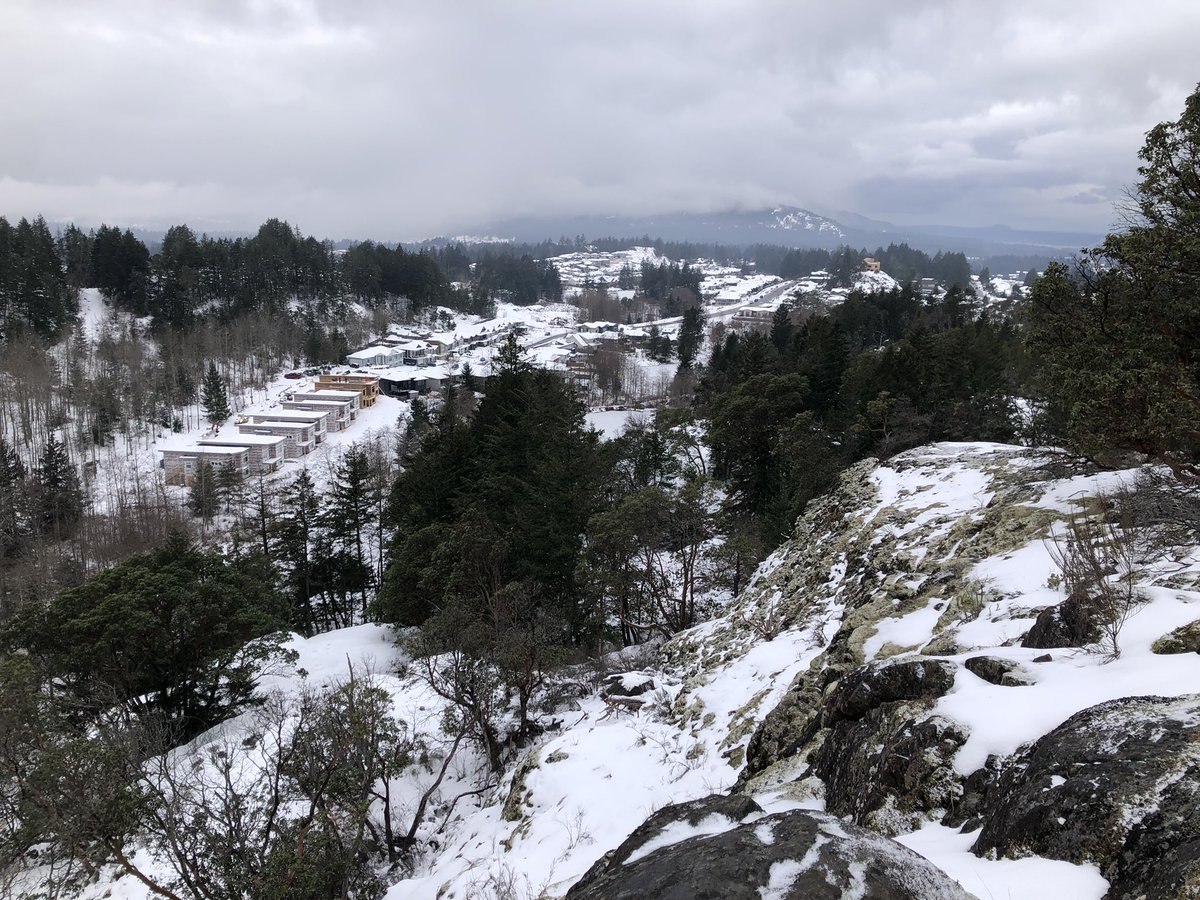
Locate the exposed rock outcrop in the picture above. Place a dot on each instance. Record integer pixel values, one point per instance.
(627, 684)
(889, 770)
(885, 558)
(1185, 639)
(883, 760)
(723, 848)
(999, 671)
(1117, 785)
(1065, 625)
(871, 686)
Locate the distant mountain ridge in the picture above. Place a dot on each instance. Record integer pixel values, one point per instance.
(795, 227)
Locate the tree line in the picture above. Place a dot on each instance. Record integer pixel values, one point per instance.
(1118, 334)
(902, 262)
(789, 408)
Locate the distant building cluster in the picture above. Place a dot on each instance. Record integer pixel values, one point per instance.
(289, 429)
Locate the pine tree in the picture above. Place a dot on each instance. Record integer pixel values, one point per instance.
(781, 327)
(468, 378)
(348, 516)
(296, 533)
(59, 498)
(1118, 339)
(14, 495)
(691, 333)
(658, 345)
(231, 486)
(204, 496)
(213, 397)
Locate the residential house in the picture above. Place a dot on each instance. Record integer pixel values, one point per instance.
(596, 327)
(301, 436)
(340, 414)
(366, 385)
(181, 464)
(353, 397)
(267, 451)
(404, 382)
(378, 355)
(318, 420)
(750, 318)
(416, 353)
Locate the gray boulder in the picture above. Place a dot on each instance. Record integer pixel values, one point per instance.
(999, 671)
(890, 771)
(742, 855)
(871, 686)
(1067, 625)
(1116, 785)
(886, 763)
(627, 684)
(1185, 639)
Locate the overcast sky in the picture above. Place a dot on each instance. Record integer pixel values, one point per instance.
(400, 120)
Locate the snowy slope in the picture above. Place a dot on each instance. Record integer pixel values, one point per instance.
(598, 778)
(888, 560)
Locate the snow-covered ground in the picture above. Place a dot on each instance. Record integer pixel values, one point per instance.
(598, 772)
(602, 773)
(611, 423)
(594, 266)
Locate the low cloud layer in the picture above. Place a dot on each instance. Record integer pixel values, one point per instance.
(397, 121)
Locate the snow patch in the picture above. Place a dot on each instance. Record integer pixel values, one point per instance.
(678, 832)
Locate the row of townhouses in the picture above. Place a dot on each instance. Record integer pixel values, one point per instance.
(290, 429)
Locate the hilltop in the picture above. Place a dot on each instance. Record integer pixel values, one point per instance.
(895, 663)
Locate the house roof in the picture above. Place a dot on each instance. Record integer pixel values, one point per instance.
(278, 425)
(220, 450)
(244, 440)
(327, 394)
(371, 352)
(306, 401)
(315, 417)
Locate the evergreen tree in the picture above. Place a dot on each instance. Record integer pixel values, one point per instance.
(781, 327)
(58, 496)
(747, 436)
(1119, 339)
(347, 517)
(658, 345)
(204, 495)
(14, 511)
(179, 271)
(213, 398)
(165, 634)
(468, 378)
(691, 333)
(75, 251)
(34, 293)
(231, 486)
(492, 512)
(296, 534)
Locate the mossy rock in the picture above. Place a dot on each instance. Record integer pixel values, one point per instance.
(1185, 639)
(518, 794)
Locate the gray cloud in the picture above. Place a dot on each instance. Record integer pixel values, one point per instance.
(391, 120)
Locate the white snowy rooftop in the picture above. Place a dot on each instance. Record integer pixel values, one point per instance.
(218, 450)
(243, 440)
(279, 424)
